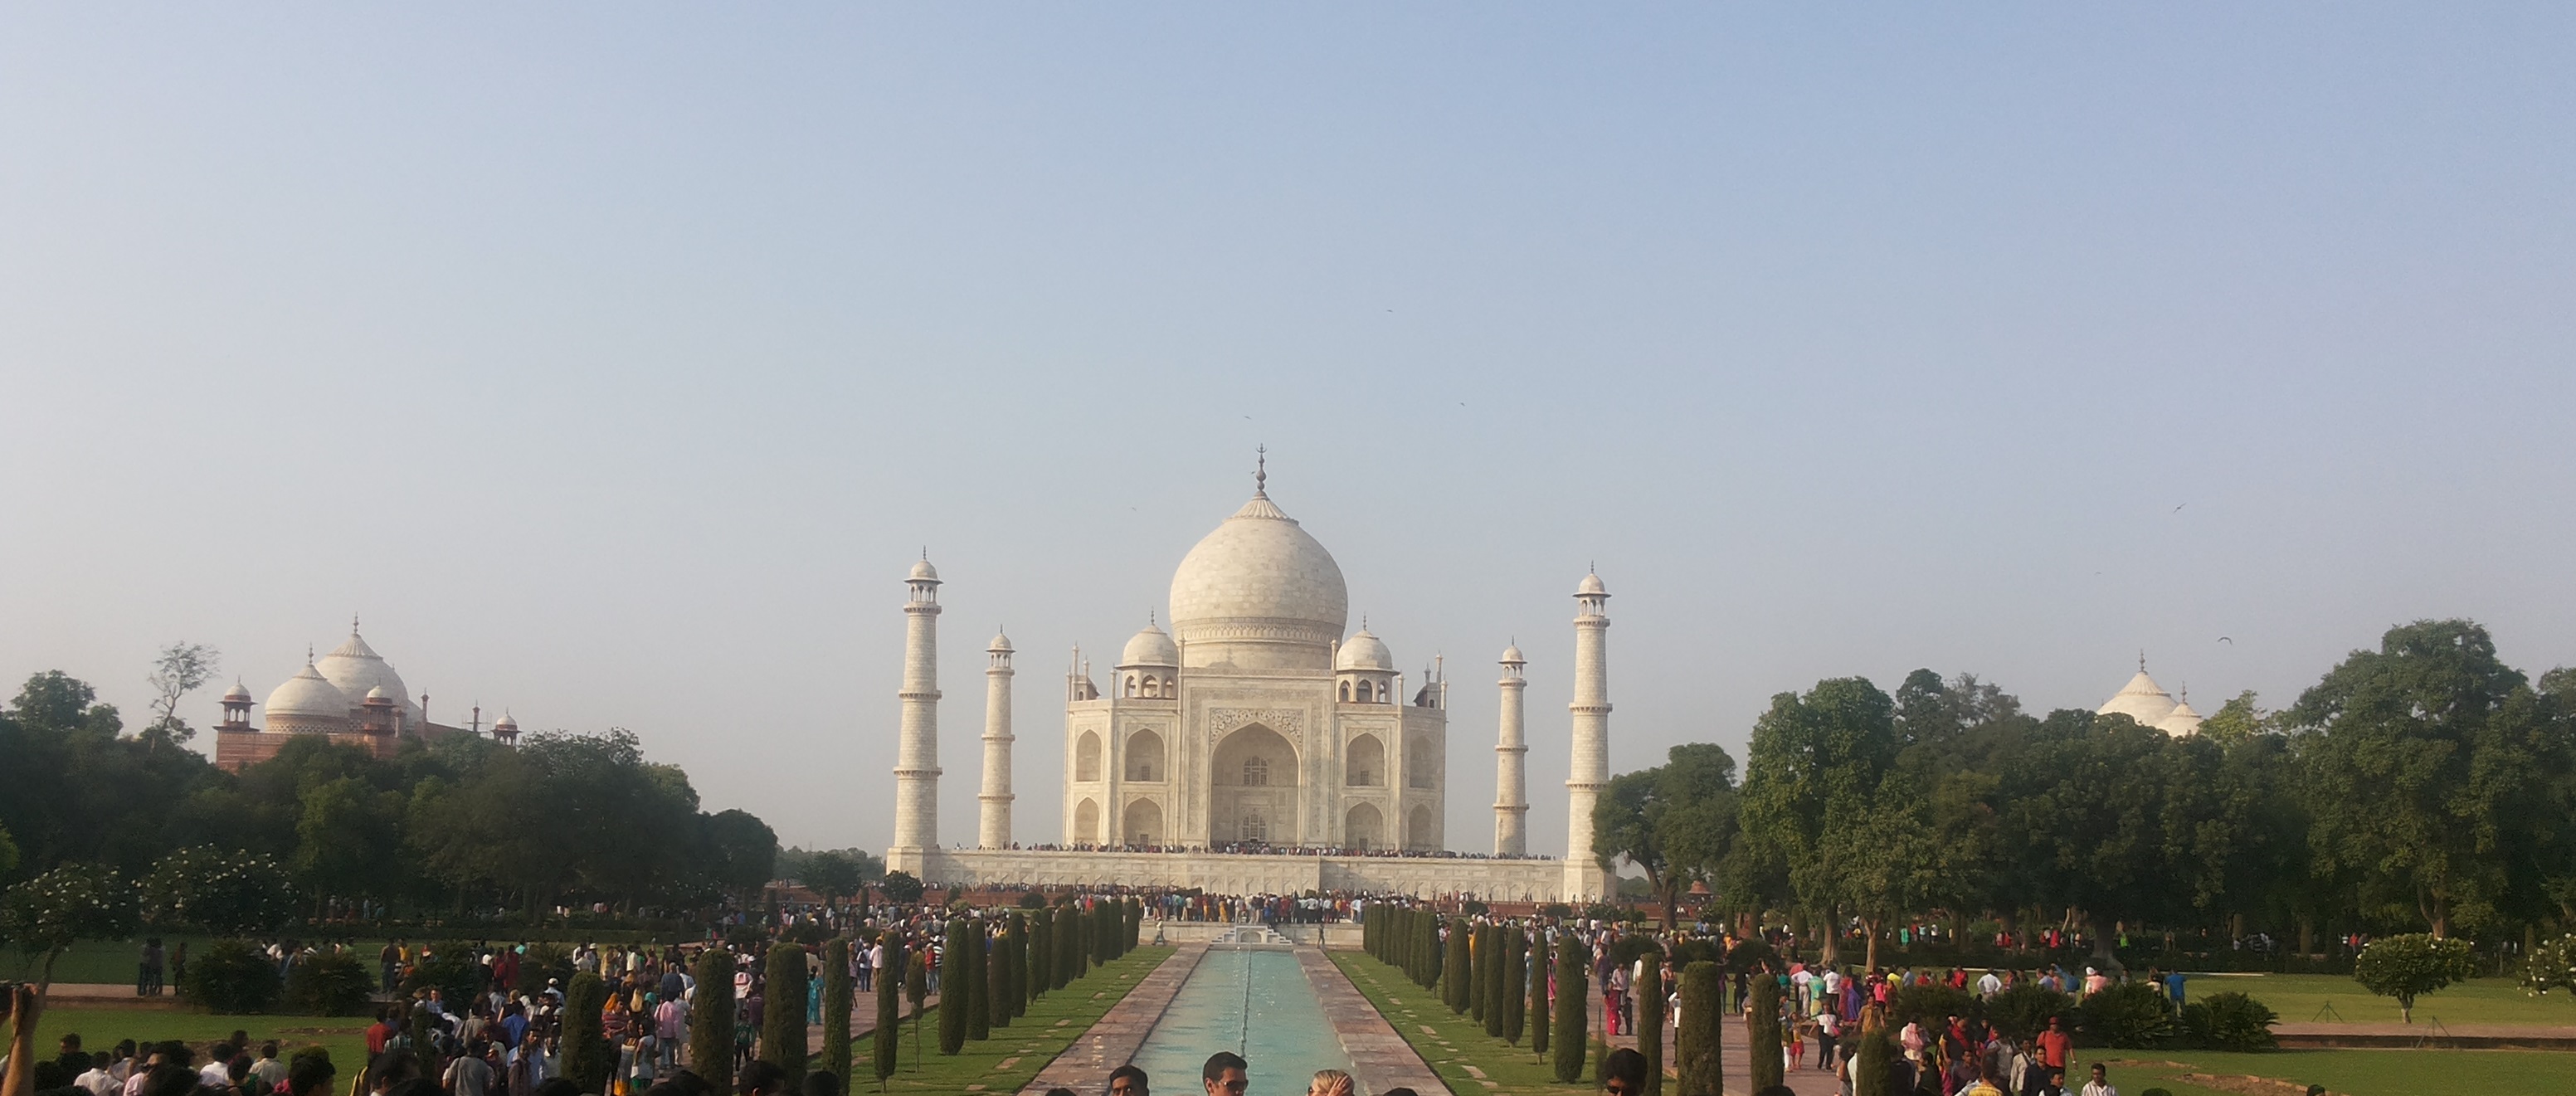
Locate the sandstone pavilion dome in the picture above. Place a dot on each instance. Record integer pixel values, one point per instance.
(1259, 593)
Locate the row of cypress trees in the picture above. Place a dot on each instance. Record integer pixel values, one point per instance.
(1484, 971)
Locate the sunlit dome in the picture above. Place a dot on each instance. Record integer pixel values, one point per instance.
(2142, 700)
(1364, 652)
(1259, 593)
(355, 668)
(308, 694)
(1150, 647)
(2180, 721)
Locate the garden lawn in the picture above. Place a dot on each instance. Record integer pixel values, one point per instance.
(1015, 1054)
(101, 1028)
(2356, 1072)
(2299, 998)
(1456, 1046)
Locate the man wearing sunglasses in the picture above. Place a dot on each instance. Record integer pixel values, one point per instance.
(1623, 1073)
(1224, 1074)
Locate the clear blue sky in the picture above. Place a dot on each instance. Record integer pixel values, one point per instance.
(615, 360)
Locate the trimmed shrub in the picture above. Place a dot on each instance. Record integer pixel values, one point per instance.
(711, 1014)
(997, 978)
(1649, 992)
(2229, 1021)
(953, 993)
(1762, 1033)
(232, 976)
(1460, 967)
(1573, 1009)
(543, 962)
(587, 1057)
(1018, 936)
(457, 980)
(1041, 953)
(1540, 964)
(2406, 967)
(2133, 1016)
(1871, 1067)
(836, 1010)
(970, 996)
(1515, 986)
(2022, 1012)
(330, 983)
(1700, 1034)
(782, 1027)
(1930, 1006)
(1487, 944)
(881, 1043)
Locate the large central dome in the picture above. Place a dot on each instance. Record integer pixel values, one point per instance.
(1259, 593)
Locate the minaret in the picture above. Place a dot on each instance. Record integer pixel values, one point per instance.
(916, 765)
(1584, 877)
(994, 826)
(1511, 774)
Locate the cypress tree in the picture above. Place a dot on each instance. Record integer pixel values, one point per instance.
(889, 1008)
(1489, 979)
(711, 1015)
(1135, 923)
(1540, 967)
(1649, 988)
(836, 1009)
(997, 976)
(953, 994)
(1699, 1036)
(1432, 952)
(1068, 946)
(1870, 1068)
(916, 989)
(1459, 966)
(1041, 952)
(1020, 989)
(1762, 1032)
(587, 1058)
(1515, 983)
(1573, 1034)
(782, 1034)
(979, 981)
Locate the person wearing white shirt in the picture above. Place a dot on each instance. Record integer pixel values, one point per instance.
(2100, 1085)
(97, 1081)
(1989, 985)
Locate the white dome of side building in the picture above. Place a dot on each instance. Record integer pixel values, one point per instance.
(2151, 706)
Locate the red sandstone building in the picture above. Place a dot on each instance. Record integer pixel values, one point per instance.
(350, 696)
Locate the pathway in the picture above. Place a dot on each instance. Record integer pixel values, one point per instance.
(1113, 1040)
(1380, 1057)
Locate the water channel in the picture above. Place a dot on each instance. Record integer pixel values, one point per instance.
(1251, 999)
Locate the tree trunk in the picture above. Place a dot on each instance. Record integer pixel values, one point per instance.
(1870, 925)
(1833, 934)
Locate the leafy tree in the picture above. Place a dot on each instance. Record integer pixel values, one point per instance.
(348, 839)
(782, 1036)
(181, 668)
(711, 1014)
(48, 914)
(2421, 756)
(901, 887)
(833, 875)
(2409, 966)
(1676, 821)
(1814, 760)
(8, 853)
(2241, 719)
(587, 1057)
(836, 1009)
(228, 894)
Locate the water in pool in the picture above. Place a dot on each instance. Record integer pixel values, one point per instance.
(1254, 1002)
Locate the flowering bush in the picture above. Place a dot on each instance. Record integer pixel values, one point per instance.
(225, 893)
(2552, 966)
(2405, 967)
(69, 904)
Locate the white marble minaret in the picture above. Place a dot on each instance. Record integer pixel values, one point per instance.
(916, 765)
(994, 824)
(1511, 756)
(1585, 879)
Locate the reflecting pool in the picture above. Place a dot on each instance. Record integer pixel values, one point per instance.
(1255, 1002)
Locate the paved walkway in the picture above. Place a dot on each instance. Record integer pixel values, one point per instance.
(1380, 1058)
(1113, 1040)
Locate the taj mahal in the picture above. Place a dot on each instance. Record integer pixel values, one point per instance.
(1258, 746)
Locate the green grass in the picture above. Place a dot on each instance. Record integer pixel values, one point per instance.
(1013, 1056)
(2299, 998)
(2356, 1072)
(101, 1028)
(1455, 1041)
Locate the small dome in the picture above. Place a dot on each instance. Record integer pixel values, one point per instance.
(309, 694)
(379, 696)
(923, 572)
(505, 726)
(2181, 721)
(1364, 652)
(1512, 656)
(237, 692)
(1591, 585)
(1151, 647)
(2141, 699)
(353, 668)
(1001, 644)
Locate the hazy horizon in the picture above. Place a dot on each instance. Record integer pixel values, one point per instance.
(614, 363)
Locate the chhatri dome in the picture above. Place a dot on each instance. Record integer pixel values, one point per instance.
(2148, 703)
(1365, 651)
(1151, 647)
(1259, 593)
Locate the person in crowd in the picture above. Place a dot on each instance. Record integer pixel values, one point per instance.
(310, 1075)
(760, 1078)
(1225, 1074)
(1128, 1081)
(1329, 1082)
(2100, 1085)
(1623, 1073)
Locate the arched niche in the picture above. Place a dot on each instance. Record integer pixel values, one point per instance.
(1145, 756)
(1364, 828)
(1417, 830)
(1144, 824)
(1086, 757)
(1086, 823)
(1364, 763)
